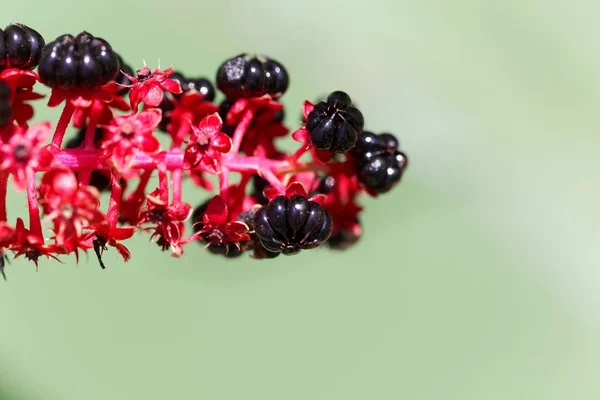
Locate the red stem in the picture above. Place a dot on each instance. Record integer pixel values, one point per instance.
(182, 132)
(273, 180)
(115, 200)
(241, 129)
(90, 135)
(177, 179)
(3, 199)
(63, 123)
(35, 225)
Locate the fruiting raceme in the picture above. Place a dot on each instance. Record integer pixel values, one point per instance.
(282, 203)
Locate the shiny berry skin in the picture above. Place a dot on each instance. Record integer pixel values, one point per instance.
(326, 185)
(202, 86)
(83, 61)
(20, 47)
(5, 106)
(259, 184)
(334, 124)
(252, 76)
(292, 225)
(380, 164)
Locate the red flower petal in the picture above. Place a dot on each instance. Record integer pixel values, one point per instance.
(222, 143)
(296, 188)
(216, 212)
(192, 156)
(271, 193)
(153, 97)
(171, 85)
(180, 211)
(307, 107)
(209, 127)
(150, 118)
(301, 135)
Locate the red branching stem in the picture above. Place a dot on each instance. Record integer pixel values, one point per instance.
(90, 135)
(142, 184)
(273, 180)
(163, 183)
(177, 179)
(299, 153)
(63, 123)
(223, 179)
(112, 215)
(35, 224)
(241, 129)
(3, 187)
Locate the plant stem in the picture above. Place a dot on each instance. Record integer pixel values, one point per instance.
(63, 123)
(35, 225)
(3, 188)
(115, 199)
(241, 130)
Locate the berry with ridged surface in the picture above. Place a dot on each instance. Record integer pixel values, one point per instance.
(290, 225)
(20, 47)
(380, 164)
(81, 61)
(334, 124)
(5, 103)
(248, 75)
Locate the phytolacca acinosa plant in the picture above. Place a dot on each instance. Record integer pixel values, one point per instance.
(281, 203)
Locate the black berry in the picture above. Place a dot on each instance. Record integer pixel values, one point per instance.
(252, 76)
(334, 124)
(83, 61)
(292, 225)
(380, 164)
(5, 103)
(20, 47)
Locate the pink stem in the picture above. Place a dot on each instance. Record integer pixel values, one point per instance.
(63, 124)
(35, 225)
(299, 153)
(90, 135)
(241, 129)
(3, 188)
(115, 200)
(182, 132)
(223, 179)
(273, 180)
(163, 184)
(177, 179)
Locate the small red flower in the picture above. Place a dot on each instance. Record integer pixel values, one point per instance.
(294, 188)
(23, 153)
(191, 106)
(32, 245)
(167, 221)
(218, 229)
(207, 145)
(103, 235)
(7, 235)
(129, 134)
(69, 206)
(148, 86)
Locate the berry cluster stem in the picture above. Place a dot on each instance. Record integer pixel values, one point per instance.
(63, 124)
(115, 200)
(241, 129)
(35, 224)
(3, 188)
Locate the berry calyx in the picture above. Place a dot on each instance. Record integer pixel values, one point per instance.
(81, 61)
(380, 165)
(290, 225)
(334, 124)
(248, 75)
(20, 47)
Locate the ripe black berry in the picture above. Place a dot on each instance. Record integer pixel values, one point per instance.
(5, 103)
(334, 124)
(202, 86)
(326, 185)
(20, 47)
(83, 61)
(291, 225)
(252, 76)
(259, 184)
(380, 163)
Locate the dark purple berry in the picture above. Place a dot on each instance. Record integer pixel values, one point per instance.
(380, 164)
(252, 76)
(326, 185)
(202, 86)
(291, 225)
(83, 61)
(259, 185)
(334, 124)
(20, 47)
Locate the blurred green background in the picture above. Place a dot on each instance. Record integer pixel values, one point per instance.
(477, 277)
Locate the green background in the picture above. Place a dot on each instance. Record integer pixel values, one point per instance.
(477, 278)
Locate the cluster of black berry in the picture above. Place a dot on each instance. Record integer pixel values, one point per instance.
(249, 75)
(81, 61)
(5, 104)
(380, 164)
(20, 47)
